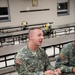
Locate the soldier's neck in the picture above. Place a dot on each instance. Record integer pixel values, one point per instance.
(32, 47)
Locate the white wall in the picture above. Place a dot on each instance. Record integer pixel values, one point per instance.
(74, 9)
(38, 17)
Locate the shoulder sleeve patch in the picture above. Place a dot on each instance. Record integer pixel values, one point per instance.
(62, 56)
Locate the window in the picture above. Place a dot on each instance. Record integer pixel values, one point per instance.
(4, 11)
(63, 7)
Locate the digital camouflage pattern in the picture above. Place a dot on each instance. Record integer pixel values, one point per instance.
(66, 59)
(32, 63)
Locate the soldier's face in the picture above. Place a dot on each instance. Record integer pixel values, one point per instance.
(37, 37)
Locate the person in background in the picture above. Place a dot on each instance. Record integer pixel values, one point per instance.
(32, 59)
(24, 25)
(66, 59)
(49, 30)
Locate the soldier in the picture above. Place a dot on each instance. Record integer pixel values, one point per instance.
(31, 59)
(66, 59)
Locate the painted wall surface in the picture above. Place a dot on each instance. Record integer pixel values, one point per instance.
(38, 17)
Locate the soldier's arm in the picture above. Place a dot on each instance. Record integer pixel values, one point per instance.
(63, 67)
(48, 65)
(63, 61)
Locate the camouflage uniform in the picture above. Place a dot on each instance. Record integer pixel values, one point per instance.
(66, 59)
(32, 63)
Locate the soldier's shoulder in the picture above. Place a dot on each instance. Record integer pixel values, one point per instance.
(22, 50)
(41, 49)
(68, 45)
(67, 48)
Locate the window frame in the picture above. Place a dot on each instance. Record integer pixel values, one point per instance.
(63, 11)
(5, 17)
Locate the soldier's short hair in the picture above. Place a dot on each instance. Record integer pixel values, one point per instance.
(31, 29)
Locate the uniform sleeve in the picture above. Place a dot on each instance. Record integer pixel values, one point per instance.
(48, 65)
(21, 68)
(63, 60)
